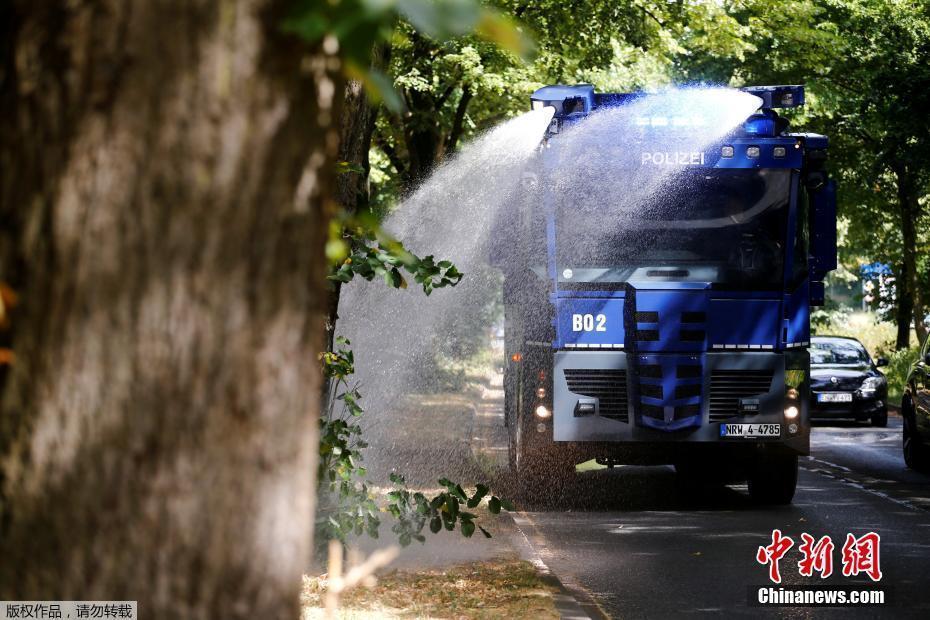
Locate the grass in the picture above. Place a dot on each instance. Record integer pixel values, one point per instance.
(506, 588)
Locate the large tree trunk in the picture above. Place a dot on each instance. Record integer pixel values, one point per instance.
(910, 308)
(163, 168)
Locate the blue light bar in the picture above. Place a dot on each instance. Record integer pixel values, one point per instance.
(778, 96)
(761, 124)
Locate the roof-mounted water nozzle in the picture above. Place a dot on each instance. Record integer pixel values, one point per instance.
(778, 96)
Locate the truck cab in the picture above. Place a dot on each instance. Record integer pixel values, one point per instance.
(666, 320)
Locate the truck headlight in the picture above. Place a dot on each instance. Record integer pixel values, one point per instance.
(791, 412)
(543, 412)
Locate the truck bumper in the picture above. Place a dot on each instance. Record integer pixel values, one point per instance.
(601, 397)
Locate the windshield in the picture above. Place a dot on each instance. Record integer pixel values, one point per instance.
(838, 352)
(726, 227)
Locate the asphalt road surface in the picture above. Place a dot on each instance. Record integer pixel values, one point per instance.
(633, 543)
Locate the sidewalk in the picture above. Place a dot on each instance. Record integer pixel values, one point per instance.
(462, 437)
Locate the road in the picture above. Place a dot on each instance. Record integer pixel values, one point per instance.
(632, 543)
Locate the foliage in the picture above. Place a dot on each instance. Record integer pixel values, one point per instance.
(370, 252)
(457, 87)
(866, 64)
(413, 511)
(877, 336)
(899, 365)
(347, 504)
(354, 26)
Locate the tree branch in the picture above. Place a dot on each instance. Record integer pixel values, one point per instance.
(393, 157)
(458, 120)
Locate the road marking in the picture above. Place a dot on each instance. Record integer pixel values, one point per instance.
(571, 608)
(858, 485)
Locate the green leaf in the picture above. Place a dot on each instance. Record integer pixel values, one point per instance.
(480, 492)
(494, 505)
(378, 85)
(441, 19)
(486, 533)
(435, 524)
(507, 505)
(344, 167)
(468, 528)
(500, 29)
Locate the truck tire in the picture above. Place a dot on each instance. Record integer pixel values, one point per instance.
(541, 473)
(774, 478)
(915, 452)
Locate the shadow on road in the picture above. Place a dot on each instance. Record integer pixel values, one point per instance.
(631, 488)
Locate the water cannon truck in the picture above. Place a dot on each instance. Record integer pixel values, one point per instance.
(689, 349)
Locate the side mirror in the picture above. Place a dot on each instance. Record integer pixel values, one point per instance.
(823, 230)
(823, 237)
(927, 358)
(882, 361)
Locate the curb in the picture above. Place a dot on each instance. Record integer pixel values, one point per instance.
(567, 601)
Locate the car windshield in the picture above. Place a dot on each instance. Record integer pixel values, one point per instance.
(725, 227)
(838, 352)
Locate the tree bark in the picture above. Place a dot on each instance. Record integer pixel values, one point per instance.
(352, 189)
(458, 121)
(910, 309)
(163, 174)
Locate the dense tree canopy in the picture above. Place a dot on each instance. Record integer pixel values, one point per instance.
(865, 64)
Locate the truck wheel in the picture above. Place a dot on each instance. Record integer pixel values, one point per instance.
(880, 417)
(541, 472)
(915, 452)
(773, 478)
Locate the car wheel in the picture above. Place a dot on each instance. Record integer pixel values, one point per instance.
(880, 417)
(774, 478)
(915, 452)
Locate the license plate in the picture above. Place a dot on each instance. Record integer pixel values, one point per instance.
(834, 397)
(750, 430)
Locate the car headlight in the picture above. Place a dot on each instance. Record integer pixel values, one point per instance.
(870, 386)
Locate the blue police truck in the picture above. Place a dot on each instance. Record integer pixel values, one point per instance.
(679, 337)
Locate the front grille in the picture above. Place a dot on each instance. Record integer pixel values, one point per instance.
(727, 387)
(692, 335)
(681, 411)
(651, 391)
(843, 384)
(647, 335)
(607, 385)
(651, 411)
